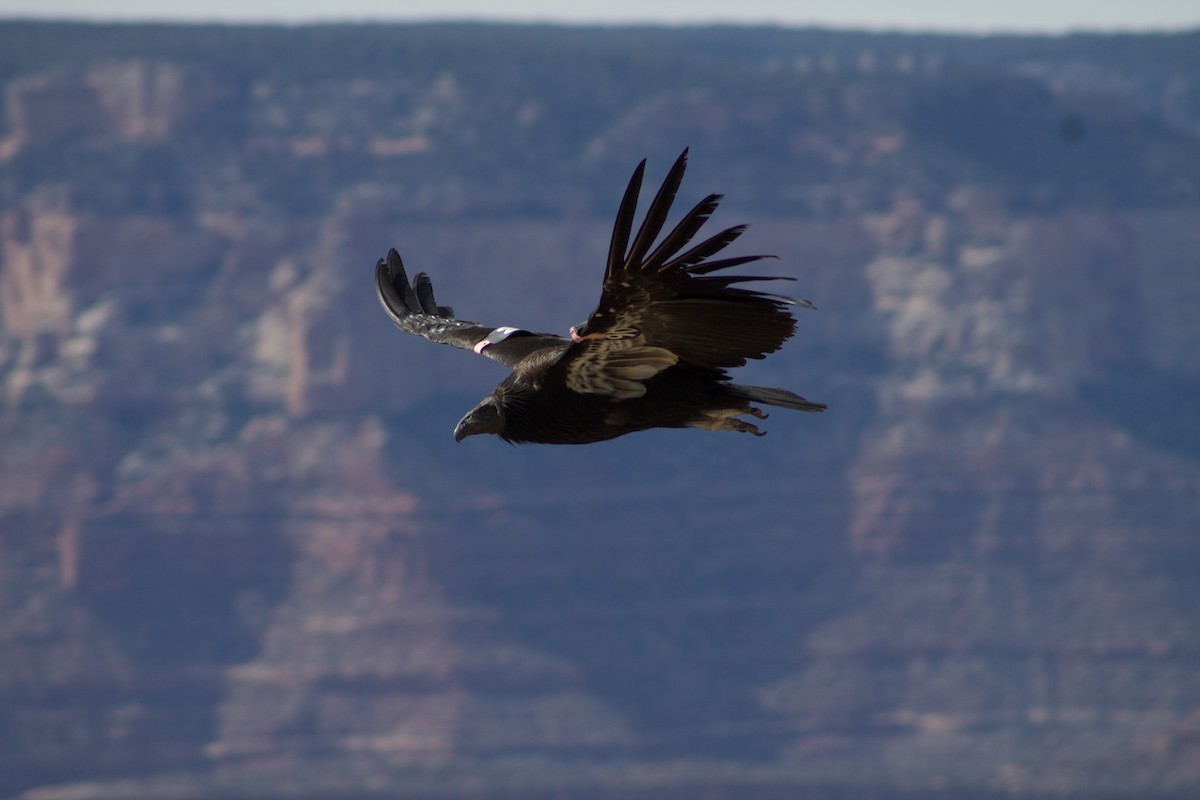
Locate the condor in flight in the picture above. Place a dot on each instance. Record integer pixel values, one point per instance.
(654, 352)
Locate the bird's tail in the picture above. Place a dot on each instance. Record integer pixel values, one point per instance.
(775, 397)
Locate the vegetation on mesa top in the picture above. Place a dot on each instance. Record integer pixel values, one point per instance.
(485, 116)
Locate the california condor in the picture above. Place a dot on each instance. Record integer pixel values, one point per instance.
(654, 352)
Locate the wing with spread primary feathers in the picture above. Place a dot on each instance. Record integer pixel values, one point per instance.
(664, 306)
(413, 308)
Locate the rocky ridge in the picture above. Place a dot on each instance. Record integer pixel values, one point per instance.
(240, 556)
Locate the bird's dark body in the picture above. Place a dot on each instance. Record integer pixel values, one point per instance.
(653, 354)
(677, 398)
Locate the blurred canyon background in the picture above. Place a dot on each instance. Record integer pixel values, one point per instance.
(242, 557)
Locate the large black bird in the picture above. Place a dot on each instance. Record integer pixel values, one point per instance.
(652, 355)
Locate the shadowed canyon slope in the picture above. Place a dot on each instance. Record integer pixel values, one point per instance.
(241, 556)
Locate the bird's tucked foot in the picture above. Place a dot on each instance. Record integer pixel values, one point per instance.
(720, 422)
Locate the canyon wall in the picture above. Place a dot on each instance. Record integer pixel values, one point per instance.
(241, 556)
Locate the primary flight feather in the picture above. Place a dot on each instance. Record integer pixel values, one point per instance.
(654, 352)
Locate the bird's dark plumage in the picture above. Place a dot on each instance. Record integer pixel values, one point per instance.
(653, 353)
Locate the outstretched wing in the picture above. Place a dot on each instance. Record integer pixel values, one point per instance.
(413, 308)
(664, 306)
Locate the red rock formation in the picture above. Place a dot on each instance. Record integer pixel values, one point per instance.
(240, 555)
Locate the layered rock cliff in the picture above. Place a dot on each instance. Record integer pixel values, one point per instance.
(240, 555)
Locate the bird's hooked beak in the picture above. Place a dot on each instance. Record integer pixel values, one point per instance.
(483, 418)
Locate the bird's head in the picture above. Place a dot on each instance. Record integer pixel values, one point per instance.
(487, 417)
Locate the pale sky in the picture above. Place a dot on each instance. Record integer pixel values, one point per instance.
(1043, 16)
